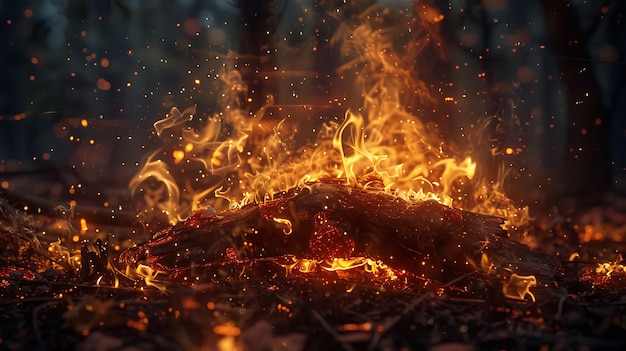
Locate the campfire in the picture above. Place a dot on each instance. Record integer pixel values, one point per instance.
(347, 223)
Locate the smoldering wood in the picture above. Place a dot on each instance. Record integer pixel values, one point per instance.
(330, 219)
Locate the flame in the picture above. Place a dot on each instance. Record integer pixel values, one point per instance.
(236, 156)
(609, 268)
(287, 223)
(486, 264)
(363, 265)
(65, 254)
(375, 268)
(519, 286)
(302, 265)
(83, 226)
(150, 277)
(382, 145)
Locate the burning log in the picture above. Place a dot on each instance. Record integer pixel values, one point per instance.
(328, 219)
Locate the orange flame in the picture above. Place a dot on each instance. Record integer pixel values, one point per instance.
(288, 227)
(239, 157)
(364, 265)
(609, 268)
(519, 286)
(150, 277)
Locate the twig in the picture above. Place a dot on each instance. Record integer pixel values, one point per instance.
(34, 320)
(332, 331)
(93, 214)
(592, 342)
(381, 329)
(65, 284)
(454, 281)
(27, 300)
(459, 299)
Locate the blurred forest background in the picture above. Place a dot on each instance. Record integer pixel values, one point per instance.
(83, 82)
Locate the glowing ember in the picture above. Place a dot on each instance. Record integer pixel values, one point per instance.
(607, 275)
(327, 240)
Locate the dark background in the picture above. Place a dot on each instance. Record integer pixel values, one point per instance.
(82, 82)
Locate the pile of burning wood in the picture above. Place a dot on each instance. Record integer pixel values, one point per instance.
(423, 243)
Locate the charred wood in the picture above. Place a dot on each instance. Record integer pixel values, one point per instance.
(332, 220)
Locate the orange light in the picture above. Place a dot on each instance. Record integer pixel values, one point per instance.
(103, 84)
(226, 330)
(83, 226)
(178, 155)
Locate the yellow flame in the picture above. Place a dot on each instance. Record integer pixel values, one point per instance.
(238, 157)
(165, 197)
(376, 268)
(150, 277)
(485, 264)
(302, 265)
(609, 268)
(365, 265)
(71, 257)
(174, 118)
(286, 223)
(519, 286)
(83, 226)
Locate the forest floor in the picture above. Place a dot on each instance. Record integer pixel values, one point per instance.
(51, 305)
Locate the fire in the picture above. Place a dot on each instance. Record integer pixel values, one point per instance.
(376, 268)
(358, 265)
(150, 277)
(381, 139)
(609, 268)
(237, 157)
(71, 257)
(519, 286)
(607, 274)
(302, 265)
(287, 223)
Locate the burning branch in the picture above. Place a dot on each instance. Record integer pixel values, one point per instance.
(329, 220)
